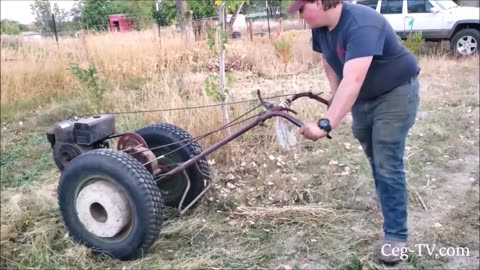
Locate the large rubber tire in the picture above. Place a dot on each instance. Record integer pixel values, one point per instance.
(159, 134)
(467, 34)
(137, 185)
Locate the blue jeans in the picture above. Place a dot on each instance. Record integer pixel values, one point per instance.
(381, 126)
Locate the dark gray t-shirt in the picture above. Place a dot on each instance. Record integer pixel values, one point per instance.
(362, 31)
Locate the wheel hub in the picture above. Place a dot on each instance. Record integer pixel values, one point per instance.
(467, 45)
(103, 209)
(137, 147)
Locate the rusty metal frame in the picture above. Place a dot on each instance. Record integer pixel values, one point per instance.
(270, 112)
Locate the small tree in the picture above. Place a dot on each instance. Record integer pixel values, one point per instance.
(9, 28)
(42, 11)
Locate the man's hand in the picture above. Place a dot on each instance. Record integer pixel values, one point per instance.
(312, 132)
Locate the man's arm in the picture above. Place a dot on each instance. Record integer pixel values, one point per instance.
(331, 76)
(361, 45)
(354, 72)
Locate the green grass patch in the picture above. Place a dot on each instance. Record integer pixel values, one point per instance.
(24, 160)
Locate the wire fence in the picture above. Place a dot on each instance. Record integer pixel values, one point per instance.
(197, 29)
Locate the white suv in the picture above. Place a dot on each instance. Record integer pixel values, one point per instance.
(435, 19)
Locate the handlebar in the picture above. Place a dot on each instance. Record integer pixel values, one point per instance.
(277, 110)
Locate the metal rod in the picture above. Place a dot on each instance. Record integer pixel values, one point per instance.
(186, 191)
(260, 119)
(196, 199)
(55, 28)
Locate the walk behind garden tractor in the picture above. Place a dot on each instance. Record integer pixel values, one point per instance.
(112, 197)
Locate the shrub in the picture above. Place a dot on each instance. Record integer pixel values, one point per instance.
(414, 42)
(89, 80)
(282, 48)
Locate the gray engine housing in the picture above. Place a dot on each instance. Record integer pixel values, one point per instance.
(71, 138)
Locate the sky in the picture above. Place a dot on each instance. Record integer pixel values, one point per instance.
(19, 10)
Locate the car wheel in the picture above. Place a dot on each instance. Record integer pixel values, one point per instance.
(110, 203)
(465, 42)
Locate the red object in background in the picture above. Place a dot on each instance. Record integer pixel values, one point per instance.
(120, 23)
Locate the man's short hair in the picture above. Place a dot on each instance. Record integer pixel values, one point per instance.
(328, 4)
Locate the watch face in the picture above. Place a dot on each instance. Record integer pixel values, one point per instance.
(323, 122)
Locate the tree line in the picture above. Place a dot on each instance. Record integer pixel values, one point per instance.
(93, 14)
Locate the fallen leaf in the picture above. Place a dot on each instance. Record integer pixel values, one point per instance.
(333, 162)
(230, 176)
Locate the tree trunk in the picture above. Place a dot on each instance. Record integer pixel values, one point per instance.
(181, 9)
(234, 17)
(221, 63)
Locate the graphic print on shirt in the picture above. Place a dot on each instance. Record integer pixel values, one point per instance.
(340, 53)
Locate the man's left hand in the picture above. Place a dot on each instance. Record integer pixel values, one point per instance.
(312, 132)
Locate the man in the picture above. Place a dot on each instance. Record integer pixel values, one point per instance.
(374, 76)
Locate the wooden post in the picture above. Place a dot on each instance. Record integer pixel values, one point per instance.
(250, 28)
(159, 35)
(280, 25)
(268, 21)
(83, 41)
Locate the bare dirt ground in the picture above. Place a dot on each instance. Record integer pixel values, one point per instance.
(311, 207)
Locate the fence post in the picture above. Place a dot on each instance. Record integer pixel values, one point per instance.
(280, 25)
(268, 21)
(55, 28)
(83, 41)
(160, 37)
(250, 27)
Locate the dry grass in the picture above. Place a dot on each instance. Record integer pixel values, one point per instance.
(307, 207)
(40, 69)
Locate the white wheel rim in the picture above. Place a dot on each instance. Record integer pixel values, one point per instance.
(103, 209)
(467, 45)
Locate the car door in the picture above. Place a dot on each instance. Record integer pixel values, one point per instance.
(369, 3)
(393, 11)
(420, 17)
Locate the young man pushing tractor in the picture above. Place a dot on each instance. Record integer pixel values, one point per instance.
(374, 76)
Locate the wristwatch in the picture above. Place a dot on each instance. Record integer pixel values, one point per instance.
(324, 124)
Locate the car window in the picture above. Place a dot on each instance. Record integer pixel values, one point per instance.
(392, 7)
(368, 3)
(419, 6)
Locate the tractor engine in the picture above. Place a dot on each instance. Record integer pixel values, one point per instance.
(71, 138)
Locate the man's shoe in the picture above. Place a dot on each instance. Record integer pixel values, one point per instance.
(391, 252)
